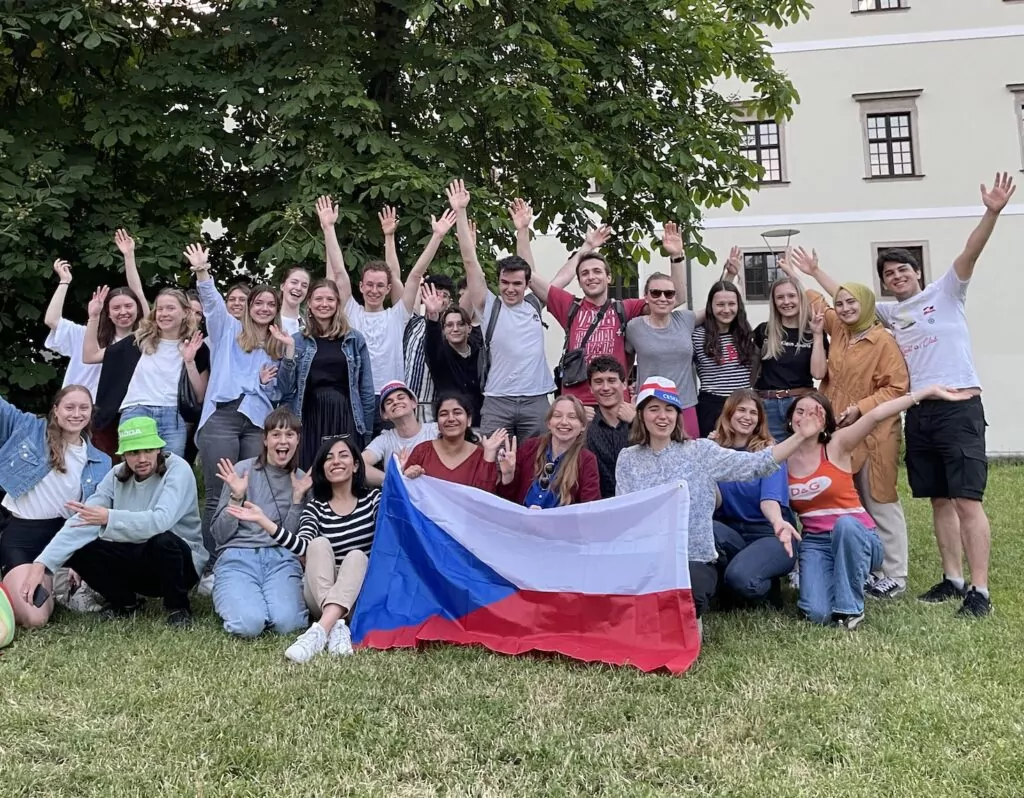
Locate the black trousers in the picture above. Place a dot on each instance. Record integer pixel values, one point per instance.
(161, 566)
(703, 585)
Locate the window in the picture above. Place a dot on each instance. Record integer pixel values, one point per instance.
(760, 270)
(624, 287)
(1017, 92)
(880, 5)
(763, 144)
(919, 249)
(889, 125)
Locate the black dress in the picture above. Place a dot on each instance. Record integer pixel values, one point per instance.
(327, 404)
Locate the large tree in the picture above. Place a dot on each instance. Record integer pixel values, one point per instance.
(153, 115)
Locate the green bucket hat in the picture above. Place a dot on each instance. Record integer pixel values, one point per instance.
(137, 434)
(6, 618)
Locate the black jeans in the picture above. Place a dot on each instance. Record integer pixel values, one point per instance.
(161, 566)
(703, 585)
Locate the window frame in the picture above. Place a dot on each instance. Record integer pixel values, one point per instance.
(889, 103)
(878, 246)
(624, 286)
(780, 131)
(769, 279)
(1017, 94)
(904, 5)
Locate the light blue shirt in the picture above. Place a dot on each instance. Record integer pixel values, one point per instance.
(234, 372)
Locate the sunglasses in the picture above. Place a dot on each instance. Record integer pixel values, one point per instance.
(326, 438)
(658, 293)
(545, 476)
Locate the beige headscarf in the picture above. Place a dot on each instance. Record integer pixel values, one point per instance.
(866, 296)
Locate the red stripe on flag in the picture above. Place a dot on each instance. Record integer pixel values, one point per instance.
(650, 631)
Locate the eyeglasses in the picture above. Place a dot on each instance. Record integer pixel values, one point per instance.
(544, 480)
(326, 438)
(658, 293)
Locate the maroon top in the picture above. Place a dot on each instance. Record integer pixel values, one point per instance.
(472, 471)
(588, 482)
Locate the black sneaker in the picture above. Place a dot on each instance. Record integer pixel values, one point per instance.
(975, 605)
(180, 619)
(943, 591)
(885, 588)
(848, 622)
(116, 611)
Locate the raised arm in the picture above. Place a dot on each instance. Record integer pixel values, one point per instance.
(672, 243)
(595, 239)
(92, 352)
(327, 213)
(849, 438)
(994, 200)
(439, 229)
(126, 245)
(730, 271)
(522, 215)
(388, 218)
(819, 357)
(55, 310)
(218, 321)
(476, 285)
(807, 262)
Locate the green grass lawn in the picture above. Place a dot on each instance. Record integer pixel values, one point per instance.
(915, 703)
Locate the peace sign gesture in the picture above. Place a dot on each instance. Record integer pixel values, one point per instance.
(507, 461)
(818, 323)
(734, 261)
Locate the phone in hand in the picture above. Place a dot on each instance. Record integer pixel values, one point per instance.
(40, 596)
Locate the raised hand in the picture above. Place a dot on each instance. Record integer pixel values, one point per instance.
(995, 199)
(247, 512)
(734, 262)
(99, 296)
(811, 424)
(198, 257)
(267, 373)
(597, 237)
(125, 243)
(788, 536)
(491, 443)
(326, 211)
(818, 323)
(433, 300)
(238, 485)
(388, 220)
(805, 261)
(191, 346)
(672, 240)
(440, 227)
(63, 270)
(300, 486)
(521, 213)
(507, 461)
(458, 197)
(281, 336)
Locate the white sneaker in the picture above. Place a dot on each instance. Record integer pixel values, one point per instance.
(794, 580)
(307, 645)
(85, 599)
(205, 587)
(339, 642)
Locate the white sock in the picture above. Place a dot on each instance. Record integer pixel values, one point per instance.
(956, 580)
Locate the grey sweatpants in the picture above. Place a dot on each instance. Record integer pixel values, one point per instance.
(522, 416)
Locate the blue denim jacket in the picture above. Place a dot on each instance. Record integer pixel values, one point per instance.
(24, 459)
(291, 378)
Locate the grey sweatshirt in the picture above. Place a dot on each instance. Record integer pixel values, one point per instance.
(270, 489)
(138, 512)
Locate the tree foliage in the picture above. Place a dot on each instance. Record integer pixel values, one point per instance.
(154, 115)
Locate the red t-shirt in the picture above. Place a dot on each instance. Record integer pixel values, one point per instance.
(606, 340)
(472, 471)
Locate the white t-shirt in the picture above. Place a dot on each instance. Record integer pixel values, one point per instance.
(390, 443)
(155, 381)
(518, 364)
(290, 325)
(383, 332)
(52, 492)
(68, 340)
(931, 329)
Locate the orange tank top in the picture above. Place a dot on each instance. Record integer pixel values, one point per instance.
(825, 496)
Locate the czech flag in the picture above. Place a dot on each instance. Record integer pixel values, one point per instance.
(604, 581)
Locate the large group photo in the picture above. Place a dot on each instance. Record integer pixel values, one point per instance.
(474, 450)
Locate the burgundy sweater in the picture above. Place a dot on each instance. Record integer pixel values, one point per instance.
(588, 483)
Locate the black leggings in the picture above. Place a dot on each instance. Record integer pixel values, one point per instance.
(23, 539)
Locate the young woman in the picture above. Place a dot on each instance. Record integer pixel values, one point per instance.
(840, 544)
(793, 352)
(244, 356)
(452, 350)
(663, 344)
(140, 374)
(236, 299)
(326, 377)
(44, 465)
(553, 469)
(866, 369)
(750, 525)
(258, 582)
(335, 535)
(661, 454)
(293, 291)
(454, 456)
(723, 351)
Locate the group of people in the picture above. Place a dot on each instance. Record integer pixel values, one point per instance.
(296, 399)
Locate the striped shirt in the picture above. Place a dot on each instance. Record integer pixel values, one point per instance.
(345, 533)
(417, 375)
(824, 496)
(720, 379)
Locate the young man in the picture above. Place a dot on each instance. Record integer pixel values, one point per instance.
(608, 433)
(383, 328)
(945, 441)
(519, 380)
(139, 533)
(397, 405)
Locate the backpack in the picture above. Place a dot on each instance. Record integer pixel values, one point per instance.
(483, 363)
(572, 367)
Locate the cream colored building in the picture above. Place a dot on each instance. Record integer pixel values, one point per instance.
(906, 106)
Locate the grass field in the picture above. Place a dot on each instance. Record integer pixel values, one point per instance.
(915, 703)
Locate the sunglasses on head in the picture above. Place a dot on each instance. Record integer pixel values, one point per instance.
(326, 438)
(658, 293)
(545, 476)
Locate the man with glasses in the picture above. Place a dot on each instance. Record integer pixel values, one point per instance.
(398, 405)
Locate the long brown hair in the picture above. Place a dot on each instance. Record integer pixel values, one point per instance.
(56, 446)
(760, 438)
(337, 327)
(568, 475)
(249, 338)
(739, 328)
(105, 329)
(147, 336)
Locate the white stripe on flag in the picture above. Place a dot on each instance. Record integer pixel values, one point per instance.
(628, 545)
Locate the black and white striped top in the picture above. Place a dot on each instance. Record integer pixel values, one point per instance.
(344, 532)
(720, 379)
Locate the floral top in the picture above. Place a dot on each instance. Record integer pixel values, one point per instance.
(701, 464)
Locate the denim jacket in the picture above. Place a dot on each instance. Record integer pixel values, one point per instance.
(291, 378)
(25, 460)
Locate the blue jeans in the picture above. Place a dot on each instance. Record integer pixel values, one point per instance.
(257, 588)
(833, 567)
(169, 425)
(755, 558)
(775, 411)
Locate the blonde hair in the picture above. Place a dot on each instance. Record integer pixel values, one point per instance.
(147, 336)
(760, 438)
(568, 475)
(56, 446)
(775, 333)
(250, 338)
(338, 326)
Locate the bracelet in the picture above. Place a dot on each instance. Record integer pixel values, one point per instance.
(677, 260)
(63, 283)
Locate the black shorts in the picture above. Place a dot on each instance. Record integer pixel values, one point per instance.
(946, 449)
(22, 540)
